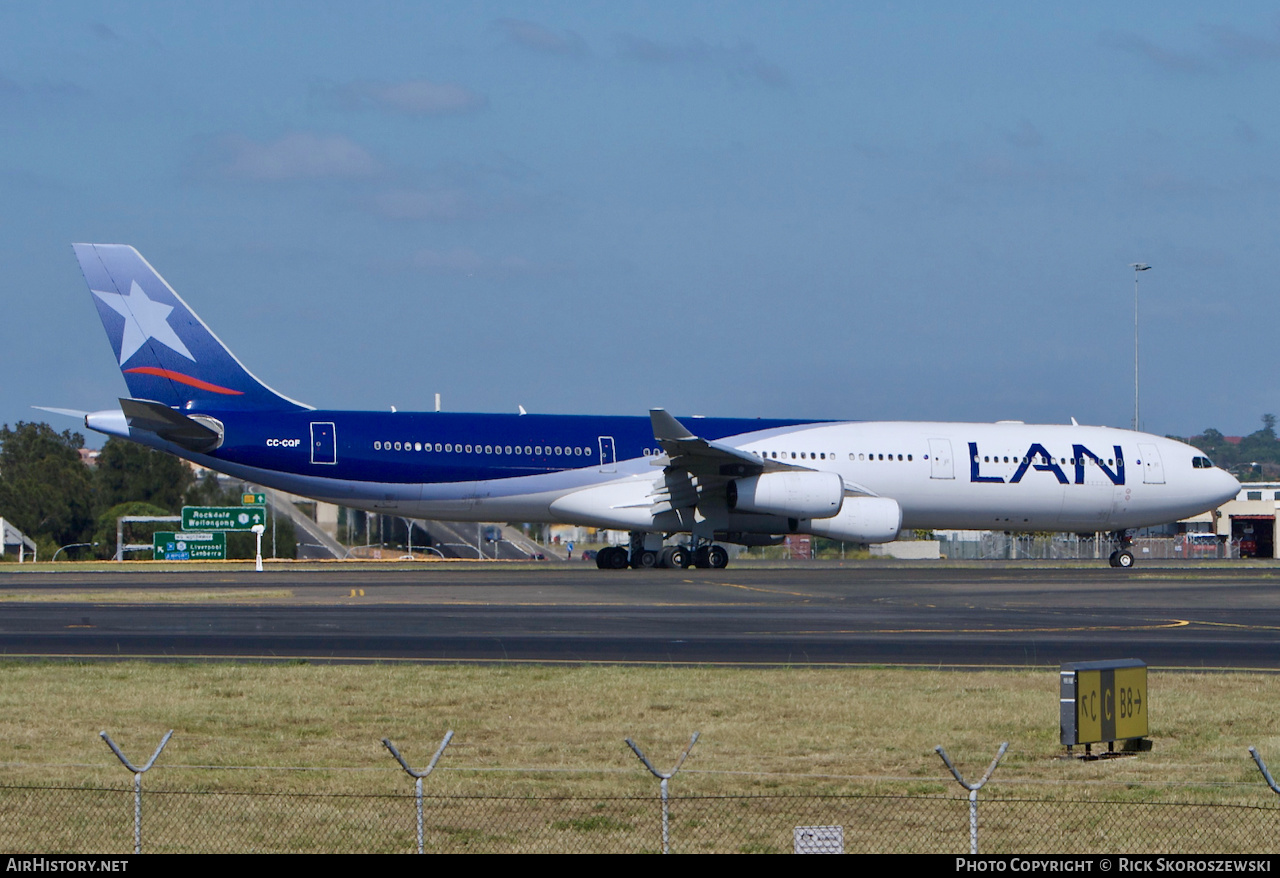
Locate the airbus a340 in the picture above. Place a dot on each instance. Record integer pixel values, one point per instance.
(680, 488)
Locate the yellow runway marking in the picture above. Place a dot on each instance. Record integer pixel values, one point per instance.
(795, 594)
(1239, 625)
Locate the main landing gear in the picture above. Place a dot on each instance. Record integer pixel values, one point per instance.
(708, 556)
(1123, 556)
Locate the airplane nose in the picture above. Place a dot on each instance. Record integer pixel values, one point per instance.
(1229, 486)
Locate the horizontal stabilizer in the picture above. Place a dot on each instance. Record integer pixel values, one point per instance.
(199, 433)
(70, 413)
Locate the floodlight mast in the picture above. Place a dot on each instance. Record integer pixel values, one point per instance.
(1137, 267)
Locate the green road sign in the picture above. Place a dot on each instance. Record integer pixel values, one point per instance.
(222, 517)
(168, 546)
(253, 499)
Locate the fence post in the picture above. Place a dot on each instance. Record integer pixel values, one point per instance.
(1262, 766)
(137, 783)
(419, 775)
(973, 790)
(664, 778)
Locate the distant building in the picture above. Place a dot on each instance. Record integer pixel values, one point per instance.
(1249, 521)
(13, 541)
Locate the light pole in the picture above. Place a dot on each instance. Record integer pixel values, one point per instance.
(1137, 267)
(70, 546)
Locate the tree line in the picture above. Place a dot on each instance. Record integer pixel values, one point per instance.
(1256, 458)
(48, 493)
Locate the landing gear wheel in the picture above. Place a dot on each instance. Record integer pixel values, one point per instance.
(1124, 559)
(1112, 559)
(678, 557)
(612, 558)
(710, 557)
(644, 559)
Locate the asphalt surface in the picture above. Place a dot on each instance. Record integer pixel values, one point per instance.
(802, 614)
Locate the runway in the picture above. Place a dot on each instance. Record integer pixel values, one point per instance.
(803, 614)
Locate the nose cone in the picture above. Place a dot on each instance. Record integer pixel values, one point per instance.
(1226, 487)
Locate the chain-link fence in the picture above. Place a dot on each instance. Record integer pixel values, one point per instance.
(991, 818)
(63, 819)
(996, 546)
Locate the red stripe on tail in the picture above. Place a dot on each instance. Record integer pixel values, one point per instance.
(185, 379)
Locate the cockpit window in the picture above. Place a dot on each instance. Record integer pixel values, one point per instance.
(1202, 463)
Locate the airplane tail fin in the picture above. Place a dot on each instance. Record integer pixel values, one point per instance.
(165, 351)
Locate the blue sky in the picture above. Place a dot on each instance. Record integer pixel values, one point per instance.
(846, 210)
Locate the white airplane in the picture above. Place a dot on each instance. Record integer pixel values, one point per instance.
(703, 481)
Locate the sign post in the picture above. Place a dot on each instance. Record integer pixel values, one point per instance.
(199, 546)
(234, 518)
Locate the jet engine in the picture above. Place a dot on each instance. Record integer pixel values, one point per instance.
(860, 520)
(792, 494)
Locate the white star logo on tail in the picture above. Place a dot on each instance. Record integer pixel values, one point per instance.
(144, 319)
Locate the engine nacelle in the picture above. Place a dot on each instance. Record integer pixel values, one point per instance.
(793, 494)
(860, 520)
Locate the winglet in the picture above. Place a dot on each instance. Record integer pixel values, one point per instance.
(667, 427)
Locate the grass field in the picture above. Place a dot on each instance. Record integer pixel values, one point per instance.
(534, 730)
(552, 739)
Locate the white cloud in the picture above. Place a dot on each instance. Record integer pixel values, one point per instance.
(532, 35)
(298, 156)
(742, 64)
(435, 204)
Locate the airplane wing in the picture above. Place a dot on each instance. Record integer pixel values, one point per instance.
(703, 457)
(696, 466)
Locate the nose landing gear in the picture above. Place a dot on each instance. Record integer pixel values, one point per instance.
(1123, 557)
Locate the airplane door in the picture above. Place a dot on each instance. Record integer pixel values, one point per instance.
(324, 443)
(941, 464)
(607, 459)
(1152, 467)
